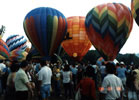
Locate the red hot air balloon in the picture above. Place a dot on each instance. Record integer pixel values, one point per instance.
(108, 27)
(76, 42)
(45, 27)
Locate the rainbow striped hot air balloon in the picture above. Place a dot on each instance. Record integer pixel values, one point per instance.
(135, 10)
(18, 55)
(108, 27)
(16, 42)
(76, 42)
(45, 27)
(4, 50)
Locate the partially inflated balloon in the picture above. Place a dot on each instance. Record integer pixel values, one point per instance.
(135, 10)
(76, 42)
(18, 55)
(45, 27)
(108, 27)
(4, 50)
(99, 61)
(33, 53)
(16, 42)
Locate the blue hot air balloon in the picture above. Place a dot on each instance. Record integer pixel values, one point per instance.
(45, 28)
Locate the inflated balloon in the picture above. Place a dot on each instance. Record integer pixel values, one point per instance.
(108, 27)
(18, 55)
(135, 10)
(99, 61)
(4, 50)
(33, 53)
(76, 43)
(45, 27)
(16, 42)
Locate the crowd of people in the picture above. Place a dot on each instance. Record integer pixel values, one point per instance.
(28, 80)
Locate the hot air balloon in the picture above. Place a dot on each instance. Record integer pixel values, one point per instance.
(18, 55)
(108, 27)
(76, 42)
(4, 50)
(45, 27)
(99, 61)
(33, 53)
(135, 10)
(16, 42)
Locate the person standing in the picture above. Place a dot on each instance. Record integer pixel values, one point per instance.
(87, 85)
(22, 84)
(67, 78)
(121, 73)
(44, 78)
(10, 89)
(112, 86)
(2, 67)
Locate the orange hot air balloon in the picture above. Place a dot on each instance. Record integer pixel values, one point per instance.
(76, 42)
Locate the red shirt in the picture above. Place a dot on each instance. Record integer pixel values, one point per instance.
(87, 87)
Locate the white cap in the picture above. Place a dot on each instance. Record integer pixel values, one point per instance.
(122, 63)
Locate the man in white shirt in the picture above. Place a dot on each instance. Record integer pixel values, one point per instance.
(2, 66)
(44, 77)
(112, 86)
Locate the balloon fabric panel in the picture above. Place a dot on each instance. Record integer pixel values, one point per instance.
(76, 42)
(108, 27)
(4, 50)
(18, 55)
(16, 42)
(135, 10)
(48, 23)
(59, 34)
(29, 26)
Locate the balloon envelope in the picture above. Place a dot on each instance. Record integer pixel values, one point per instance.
(4, 50)
(99, 61)
(33, 53)
(45, 27)
(108, 27)
(18, 55)
(135, 10)
(76, 42)
(16, 42)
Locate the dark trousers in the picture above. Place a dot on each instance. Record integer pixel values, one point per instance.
(21, 95)
(10, 93)
(83, 97)
(67, 88)
(57, 87)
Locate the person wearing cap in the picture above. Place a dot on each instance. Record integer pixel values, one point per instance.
(112, 86)
(121, 72)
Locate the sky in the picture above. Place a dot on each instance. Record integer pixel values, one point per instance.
(13, 12)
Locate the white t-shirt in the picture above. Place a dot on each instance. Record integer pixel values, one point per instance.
(112, 86)
(20, 80)
(103, 69)
(2, 66)
(45, 75)
(66, 76)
